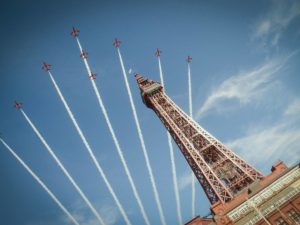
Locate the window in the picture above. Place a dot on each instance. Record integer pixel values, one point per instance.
(281, 221)
(294, 215)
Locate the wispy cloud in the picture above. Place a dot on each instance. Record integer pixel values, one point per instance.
(184, 181)
(270, 28)
(264, 145)
(80, 211)
(109, 213)
(243, 87)
(293, 109)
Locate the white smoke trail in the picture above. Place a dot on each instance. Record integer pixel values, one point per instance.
(114, 139)
(160, 72)
(191, 115)
(173, 165)
(116, 142)
(190, 91)
(161, 214)
(61, 166)
(40, 182)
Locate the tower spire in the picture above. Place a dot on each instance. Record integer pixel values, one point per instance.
(221, 173)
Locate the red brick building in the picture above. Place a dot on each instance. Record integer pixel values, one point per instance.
(275, 199)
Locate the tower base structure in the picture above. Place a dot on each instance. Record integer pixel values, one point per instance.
(274, 199)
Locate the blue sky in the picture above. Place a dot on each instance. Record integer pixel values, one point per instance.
(245, 78)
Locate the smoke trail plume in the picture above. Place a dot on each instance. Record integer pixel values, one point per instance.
(160, 72)
(63, 208)
(191, 115)
(173, 165)
(114, 139)
(190, 91)
(61, 166)
(120, 207)
(156, 195)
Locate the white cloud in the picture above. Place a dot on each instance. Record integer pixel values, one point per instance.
(263, 28)
(271, 27)
(109, 213)
(185, 181)
(263, 146)
(80, 211)
(293, 109)
(244, 87)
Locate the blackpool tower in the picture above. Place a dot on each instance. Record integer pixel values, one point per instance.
(225, 177)
(221, 173)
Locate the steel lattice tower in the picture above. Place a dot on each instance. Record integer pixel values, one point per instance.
(221, 173)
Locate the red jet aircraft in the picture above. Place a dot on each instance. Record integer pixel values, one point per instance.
(75, 32)
(84, 54)
(46, 66)
(117, 43)
(93, 76)
(18, 105)
(189, 59)
(157, 53)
